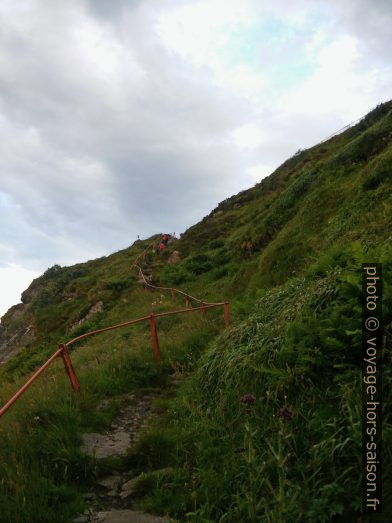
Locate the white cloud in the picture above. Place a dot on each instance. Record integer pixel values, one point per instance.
(341, 89)
(200, 31)
(13, 281)
(248, 136)
(260, 171)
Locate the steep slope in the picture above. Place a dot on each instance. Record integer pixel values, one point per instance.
(287, 255)
(294, 244)
(336, 191)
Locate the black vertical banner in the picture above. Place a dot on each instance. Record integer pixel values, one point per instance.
(372, 339)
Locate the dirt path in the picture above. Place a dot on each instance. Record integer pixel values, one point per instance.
(111, 497)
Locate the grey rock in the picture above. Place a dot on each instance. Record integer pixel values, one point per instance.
(174, 257)
(126, 516)
(129, 474)
(103, 405)
(81, 519)
(16, 332)
(123, 432)
(128, 488)
(97, 307)
(103, 446)
(110, 482)
(89, 496)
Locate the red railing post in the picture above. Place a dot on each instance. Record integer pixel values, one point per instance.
(227, 314)
(154, 335)
(186, 301)
(69, 368)
(173, 293)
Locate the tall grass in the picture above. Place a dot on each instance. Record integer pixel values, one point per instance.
(295, 453)
(42, 470)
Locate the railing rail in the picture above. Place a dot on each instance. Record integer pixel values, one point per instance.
(172, 289)
(63, 352)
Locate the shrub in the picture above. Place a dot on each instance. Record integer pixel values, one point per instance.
(366, 145)
(381, 172)
(216, 244)
(117, 283)
(175, 274)
(199, 264)
(84, 327)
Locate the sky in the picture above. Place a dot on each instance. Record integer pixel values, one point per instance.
(131, 117)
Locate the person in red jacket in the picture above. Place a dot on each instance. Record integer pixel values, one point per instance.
(161, 246)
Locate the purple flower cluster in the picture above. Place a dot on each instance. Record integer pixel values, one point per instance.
(249, 399)
(285, 412)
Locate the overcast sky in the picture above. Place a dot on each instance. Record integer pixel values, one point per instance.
(120, 118)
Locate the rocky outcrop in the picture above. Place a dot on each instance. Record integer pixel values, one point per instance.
(16, 332)
(97, 307)
(174, 257)
(147, 276)
(38, 284)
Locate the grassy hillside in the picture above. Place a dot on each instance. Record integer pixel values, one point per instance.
(42, 469)
(287, 254)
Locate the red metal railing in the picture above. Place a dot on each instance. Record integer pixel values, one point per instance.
(63, 351)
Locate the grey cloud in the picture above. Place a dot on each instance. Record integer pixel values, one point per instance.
(371, 22)
(111, 10)
(97, 148)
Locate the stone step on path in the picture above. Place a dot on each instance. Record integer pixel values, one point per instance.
(126, 516)
(120, 516)
(112, 496)
(123, 432)
(117, 490)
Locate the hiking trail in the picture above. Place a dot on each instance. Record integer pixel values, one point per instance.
(110, 498)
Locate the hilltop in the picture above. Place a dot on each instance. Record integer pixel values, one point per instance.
(287, 254)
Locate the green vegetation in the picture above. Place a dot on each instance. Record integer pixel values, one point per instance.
(266, 423)
(293, 455)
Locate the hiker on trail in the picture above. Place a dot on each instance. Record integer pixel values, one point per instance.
(164, 240)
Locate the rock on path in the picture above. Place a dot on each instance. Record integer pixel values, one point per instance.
(123, 431)
(126, 516)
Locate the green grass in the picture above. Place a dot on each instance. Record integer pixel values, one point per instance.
(41, 433)
(299, 350)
